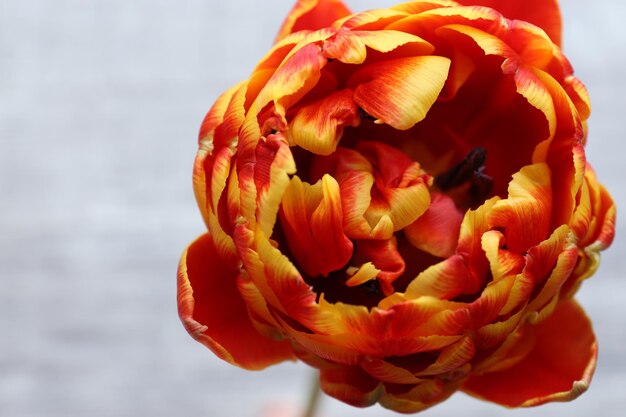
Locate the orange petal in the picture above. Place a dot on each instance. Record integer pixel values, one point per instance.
(543, 13)
(313, 221)
(494, 334)
(473, 226)
(318, 127)
(491, 301)
(217, 147)
(437, 230)
(452, 357)
(559, 368)
(312, 15)
(349, 47)
(385, 257)
(214, 313)
(423, 395)
(274, 165)
(401, 186)
(552, 263)
(350, 385)
(444, 280)
(529, 202)
(215, 116)
(355, 199)
(297, 75)
(515, 347)
(388, 372)
(501, 261)
(602, 233)
(399, 92)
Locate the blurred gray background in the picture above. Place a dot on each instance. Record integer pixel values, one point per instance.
(100, 104)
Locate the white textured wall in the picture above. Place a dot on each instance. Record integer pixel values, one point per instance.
(100, 103)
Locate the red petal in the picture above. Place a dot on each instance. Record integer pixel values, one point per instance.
(437, 230)
(214, 313)
(559, 368)
(543, 13)
(312, 15)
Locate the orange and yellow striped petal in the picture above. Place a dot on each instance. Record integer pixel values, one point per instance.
(558, 368)
(529, 202)
(399, 92)
(312, 219)
(318, 127)
(351, 385)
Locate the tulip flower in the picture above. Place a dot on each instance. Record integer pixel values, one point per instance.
(400, 198)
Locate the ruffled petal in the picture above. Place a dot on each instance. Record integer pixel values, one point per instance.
(559, 367)
(214, 313)
(444, 280)
(318, 127)
(312, 15)
(543, 13)
(473, 226)
(501, 261)
(423, 395)
(399, 92)
(351, 385)
(312, 219)
(529, 202)
(349, 47)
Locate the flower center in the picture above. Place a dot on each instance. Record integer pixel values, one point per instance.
(366, 221)
(470, 177)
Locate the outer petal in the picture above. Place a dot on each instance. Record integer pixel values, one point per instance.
(312, 15)
(559, 368)
(214, 313)
(543, 13)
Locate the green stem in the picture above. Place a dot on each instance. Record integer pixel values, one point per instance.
(314, 397)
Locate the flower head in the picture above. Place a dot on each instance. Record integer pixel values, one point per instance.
(400, 198)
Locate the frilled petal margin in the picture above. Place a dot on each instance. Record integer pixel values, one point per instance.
(312, 15)
(543, 13)
(559, 368)
(213, 312)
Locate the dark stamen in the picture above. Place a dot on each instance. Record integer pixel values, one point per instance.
(471, 169)
(365, 115)
(372, 287)
(480, 188)
(463, 171)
